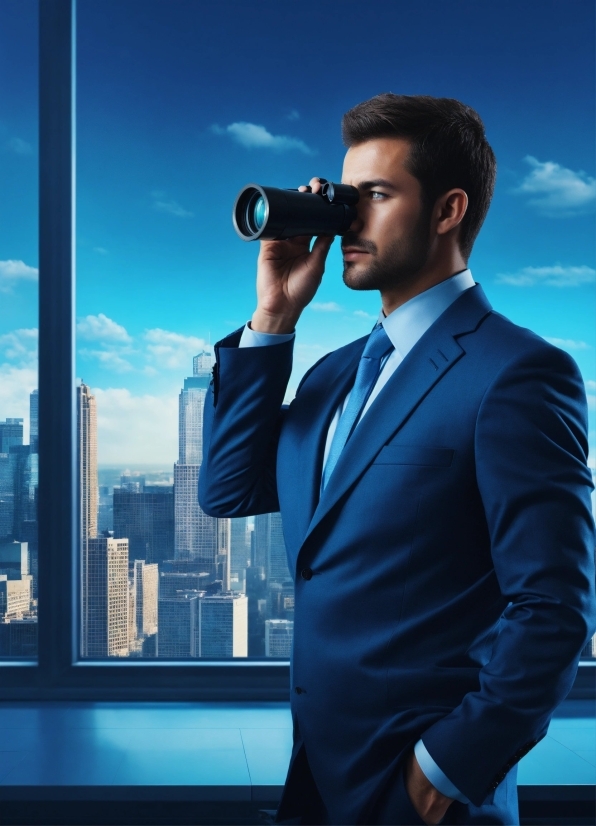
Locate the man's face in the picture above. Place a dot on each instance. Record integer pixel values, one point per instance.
(389, 242)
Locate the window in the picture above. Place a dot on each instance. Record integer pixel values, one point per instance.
(18, 334)
(177, 107)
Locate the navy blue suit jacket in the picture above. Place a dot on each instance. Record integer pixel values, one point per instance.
(445, 577)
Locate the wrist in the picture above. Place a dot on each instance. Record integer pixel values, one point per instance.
(265, 322)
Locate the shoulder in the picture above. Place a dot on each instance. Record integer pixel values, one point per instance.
(510, 347)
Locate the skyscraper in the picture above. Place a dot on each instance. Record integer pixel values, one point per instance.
(146, 517)
(279, 634)
(270, 548)
(87, 460)
(223, 625)
(107, 596)
(6, 496)
(239, 553)
(94, 634)
(34, 421)
(146, 583)
(198, 537)
(178, 625)
(11, 434)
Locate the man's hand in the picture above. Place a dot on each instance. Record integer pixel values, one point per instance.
(430, 804)
(288, 276)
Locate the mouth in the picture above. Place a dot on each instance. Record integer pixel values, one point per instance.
(351, 253)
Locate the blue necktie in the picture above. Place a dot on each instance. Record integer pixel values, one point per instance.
(377, 346)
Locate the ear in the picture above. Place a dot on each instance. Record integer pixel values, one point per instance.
(450, 209)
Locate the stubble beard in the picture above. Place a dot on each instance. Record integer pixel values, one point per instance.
(399, 265)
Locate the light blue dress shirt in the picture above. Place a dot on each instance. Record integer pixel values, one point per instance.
(404, 326)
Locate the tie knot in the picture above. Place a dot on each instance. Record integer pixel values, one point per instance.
(378, 344)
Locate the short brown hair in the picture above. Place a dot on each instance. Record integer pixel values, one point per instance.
(449, 149)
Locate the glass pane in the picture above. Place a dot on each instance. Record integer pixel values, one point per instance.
(18, 329)
(179, 106)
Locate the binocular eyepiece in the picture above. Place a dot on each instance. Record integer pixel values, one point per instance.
(268, 213)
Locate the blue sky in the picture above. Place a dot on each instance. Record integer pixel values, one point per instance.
(182, 103)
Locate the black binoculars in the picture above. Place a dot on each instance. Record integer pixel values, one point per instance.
(268, 213)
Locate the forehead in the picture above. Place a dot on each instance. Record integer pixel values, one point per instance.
(378, 158)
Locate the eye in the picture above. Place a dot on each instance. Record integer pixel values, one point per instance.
(376, 196)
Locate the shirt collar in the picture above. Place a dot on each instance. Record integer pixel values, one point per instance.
(408, 323)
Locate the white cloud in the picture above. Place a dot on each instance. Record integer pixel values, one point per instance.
(109, 359)
(557, 191)
(293, 114)
(591, 401)
(173, 351)
(16, 384)
(590, 384)
(134, 429)
(21, 345)
(569, 344)
(253, 136)
(20, 147)
(325, 307)
(101, 328)
(363, 314)
(555, 276)
(12, 271)
(161, 204)
(100, 250)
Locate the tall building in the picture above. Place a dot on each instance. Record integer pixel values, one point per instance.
(239, 553)
(11, 434)
(14, 559)
(24, 466)
(107, 598)
(223, 625)
(15, 597)
(87, 460)
(92, 629)
(146, 518)
(146, 585)
(34, 421)
(198, 537)
(279, 634)
(270, 548)
(6, 496)
(178, 625)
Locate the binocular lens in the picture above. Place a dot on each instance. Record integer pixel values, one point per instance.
(260, 213)
(256, 210)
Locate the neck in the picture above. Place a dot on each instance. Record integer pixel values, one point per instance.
(429, 276)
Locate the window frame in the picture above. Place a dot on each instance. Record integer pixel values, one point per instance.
(59, 673)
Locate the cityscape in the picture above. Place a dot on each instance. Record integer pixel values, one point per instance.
(159, 578)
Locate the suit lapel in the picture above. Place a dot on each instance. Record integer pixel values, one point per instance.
(425, 365)
(315, 417)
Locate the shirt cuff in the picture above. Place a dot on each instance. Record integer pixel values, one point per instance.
(434, 774)
(250, 338)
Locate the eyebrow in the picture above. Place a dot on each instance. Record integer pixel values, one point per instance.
(377, 182)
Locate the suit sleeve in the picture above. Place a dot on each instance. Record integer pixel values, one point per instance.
(241, 424)
(531, 452)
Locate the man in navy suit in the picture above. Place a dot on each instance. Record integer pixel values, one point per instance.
(433, 487)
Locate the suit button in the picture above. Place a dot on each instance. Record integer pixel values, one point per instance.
(306, 573)
(299, 690)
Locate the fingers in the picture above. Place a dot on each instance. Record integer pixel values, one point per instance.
(320, 249)
(314, 185)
